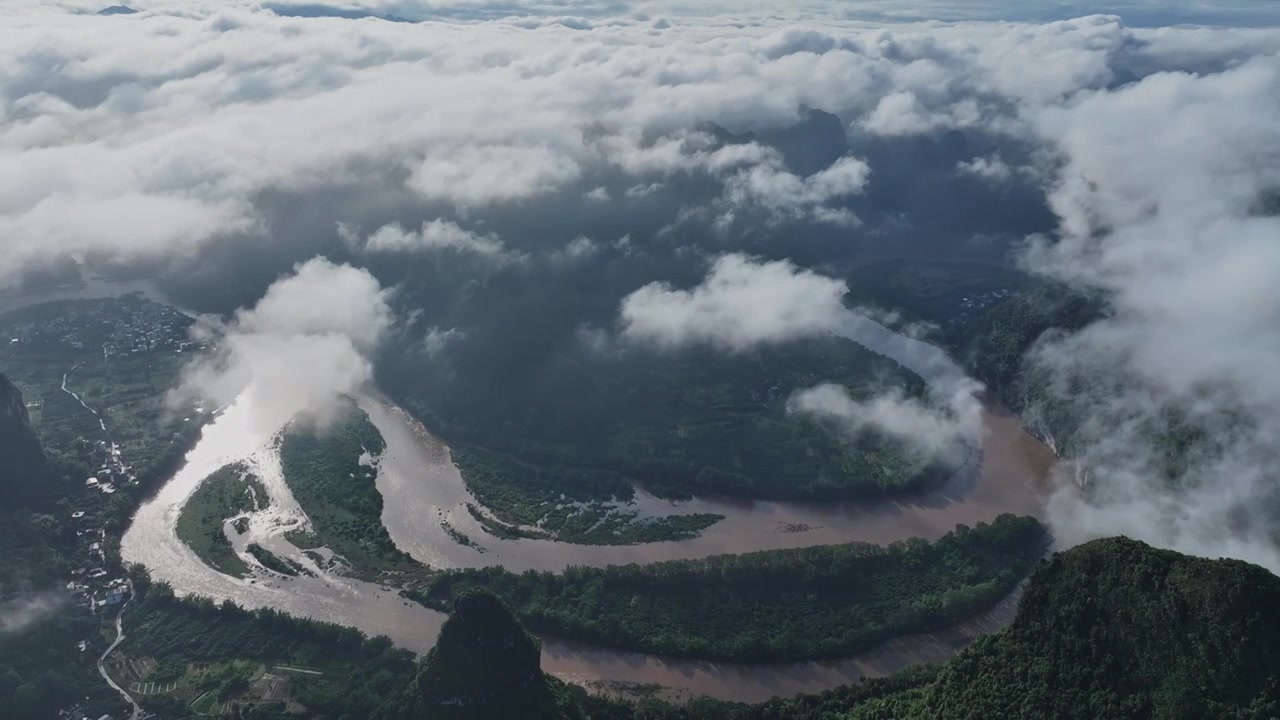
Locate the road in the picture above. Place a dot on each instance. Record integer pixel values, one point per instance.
(102, 666)
(80, 400)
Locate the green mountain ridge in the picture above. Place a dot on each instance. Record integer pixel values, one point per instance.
(1118, 629)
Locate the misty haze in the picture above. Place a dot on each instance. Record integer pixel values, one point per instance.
(868, 360)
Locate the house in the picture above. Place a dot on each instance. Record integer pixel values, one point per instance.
(77, 515)
(91, 482)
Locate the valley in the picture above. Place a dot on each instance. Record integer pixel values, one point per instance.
(426, 506)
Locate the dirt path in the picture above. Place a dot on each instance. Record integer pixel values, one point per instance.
(102, 664)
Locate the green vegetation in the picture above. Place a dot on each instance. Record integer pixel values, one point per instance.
(831, 705)
(96, 345)
(1110, 630)
(779, 605)
(946, 293)
(459, 536)
(40, 663)
(275, 563)
(338, 493)
(50, 444)
(996, 343)
(483, 665)
(228, 492)
(526, 495)
(697, 422)
(1113, 629)
(1109, 610)
(1117, 629)
(225, 650)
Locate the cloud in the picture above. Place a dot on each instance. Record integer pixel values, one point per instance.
(902, 113)
(741, 303)
(579, 248)
(200, 127)
(436, 341)
(434, 235)
(306, 343)
(745, 302)
(479, 175)
(151, 136)
(991, 168)
(1163, 212)
(20, 613)
(944, 432)
(787, 195)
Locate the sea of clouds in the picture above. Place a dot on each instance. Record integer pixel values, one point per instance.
(192, 131)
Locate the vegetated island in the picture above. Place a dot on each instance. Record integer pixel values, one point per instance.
(770, 606)
(228, 492)
(324, 470)
(529, 501)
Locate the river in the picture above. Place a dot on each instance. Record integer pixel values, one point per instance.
(422, 488)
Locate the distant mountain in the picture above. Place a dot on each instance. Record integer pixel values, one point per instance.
(321, 10)
(810, 145)
(117, 10)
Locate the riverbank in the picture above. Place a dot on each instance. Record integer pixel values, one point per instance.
(1010, 469)
(1005, 475)
(823, 602)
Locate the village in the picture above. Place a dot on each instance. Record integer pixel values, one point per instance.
(90, 585)
(970, 306)
(132, 328)
(122, 326)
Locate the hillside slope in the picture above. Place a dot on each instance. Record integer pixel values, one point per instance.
(1110, 630)
(1118, 629)
(24, 472)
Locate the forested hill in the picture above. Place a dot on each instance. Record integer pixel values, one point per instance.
(994, 346)
(1118, 629)
(484, 665)
(24, 474)
(1110, 630)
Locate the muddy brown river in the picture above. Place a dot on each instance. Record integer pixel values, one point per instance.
(422, 489)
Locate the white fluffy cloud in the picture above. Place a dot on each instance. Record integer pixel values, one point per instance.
(148, 135)
(151, 135)
(945, 431)
(18, 613)
(742, 302)
(434, 235)
(788, 195)
(1164, 203)
(300, 348)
